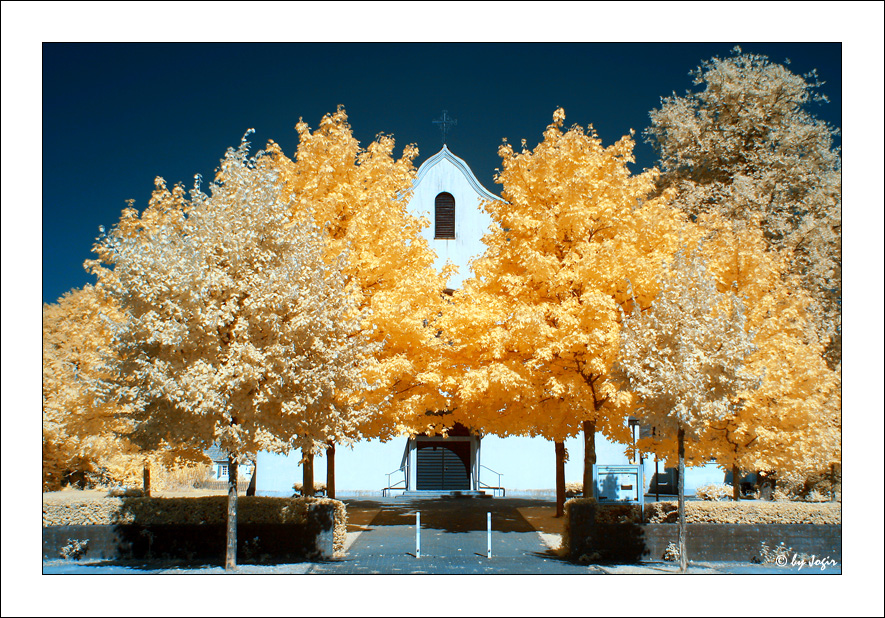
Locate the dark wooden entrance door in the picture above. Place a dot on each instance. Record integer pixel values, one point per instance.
(443, 467)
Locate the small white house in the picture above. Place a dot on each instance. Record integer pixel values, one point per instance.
(220, 466)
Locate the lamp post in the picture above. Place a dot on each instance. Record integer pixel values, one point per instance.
(633, 423)
(657, 478)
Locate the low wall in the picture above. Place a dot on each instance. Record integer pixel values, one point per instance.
(153, 529)
(629, 541)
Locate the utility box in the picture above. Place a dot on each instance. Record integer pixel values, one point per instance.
(618, 483)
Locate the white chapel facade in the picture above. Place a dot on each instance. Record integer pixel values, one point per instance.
(448, 193)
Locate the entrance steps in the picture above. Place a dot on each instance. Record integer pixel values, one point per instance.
(433, 493)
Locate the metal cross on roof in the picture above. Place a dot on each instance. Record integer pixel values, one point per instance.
(444, 123)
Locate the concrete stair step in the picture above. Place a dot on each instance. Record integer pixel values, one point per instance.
(458, 493)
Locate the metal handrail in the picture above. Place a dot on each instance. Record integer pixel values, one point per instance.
(493, 472)
(389, 474)
(487, 486)
(394, 485)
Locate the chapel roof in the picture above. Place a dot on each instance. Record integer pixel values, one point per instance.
(447, 155)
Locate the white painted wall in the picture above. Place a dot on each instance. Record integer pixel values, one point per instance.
(244, 471)
(526, 465)
(444, 172)
(362, 468)
(701, 475)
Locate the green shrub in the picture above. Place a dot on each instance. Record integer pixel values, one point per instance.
(769, 555)
(574, 490)
(567, 511)
(714, 491)
(74, 549)
(815, 487)
(317, 487)
(182, 477)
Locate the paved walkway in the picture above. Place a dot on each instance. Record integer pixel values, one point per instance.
(454, 539)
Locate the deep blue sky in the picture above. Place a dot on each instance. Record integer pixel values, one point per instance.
(115, 116)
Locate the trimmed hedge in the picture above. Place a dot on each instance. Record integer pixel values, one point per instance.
(199, 511)
(746, 512)
(705, 512)
(708, 512)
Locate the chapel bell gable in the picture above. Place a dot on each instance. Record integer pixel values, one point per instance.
(449, 195)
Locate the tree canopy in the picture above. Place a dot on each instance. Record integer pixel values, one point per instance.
(534, 333)
(745, 144)
(684, 359)
(81, 433)
(359, 196)
(789, 422)
(233, 329)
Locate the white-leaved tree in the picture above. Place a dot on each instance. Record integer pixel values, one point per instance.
(683, 359)
(234, 329)
(746, 144)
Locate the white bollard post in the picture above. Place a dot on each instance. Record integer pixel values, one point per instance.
(418, 534)
(489, 522)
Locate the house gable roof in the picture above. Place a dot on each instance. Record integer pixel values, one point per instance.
(215, 453)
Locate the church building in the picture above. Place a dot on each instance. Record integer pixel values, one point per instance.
(446, 188)
(447, 191)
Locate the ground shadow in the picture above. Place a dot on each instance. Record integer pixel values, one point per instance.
(160, 564)
(451, 515)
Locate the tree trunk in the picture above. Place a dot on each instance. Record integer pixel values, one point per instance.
(836, 480)
(146, 478)
(560, 478)
(735, 482)
(589, 456)
(253, 482)
(683, 557)
(307, 483)
(230, 558)
(330, 470)
(657, 478)
(832, 482)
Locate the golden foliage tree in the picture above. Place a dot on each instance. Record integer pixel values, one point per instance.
(81, 433)
(534, 333)
(234, 328)
(746, 145)
(790, 423)
(359, 195)
(684, 360)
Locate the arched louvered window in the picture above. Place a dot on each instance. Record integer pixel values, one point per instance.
(445, 216)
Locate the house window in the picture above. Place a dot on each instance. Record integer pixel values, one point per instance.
(222, 470)
(445, 216)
